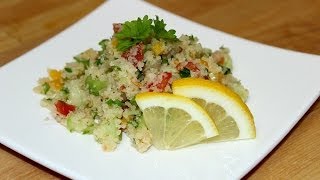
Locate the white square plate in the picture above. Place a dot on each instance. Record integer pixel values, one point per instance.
(282, 84)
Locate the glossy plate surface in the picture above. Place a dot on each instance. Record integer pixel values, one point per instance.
(282, 84)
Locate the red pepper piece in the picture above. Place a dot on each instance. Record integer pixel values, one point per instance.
(165, 80)
(64, 108)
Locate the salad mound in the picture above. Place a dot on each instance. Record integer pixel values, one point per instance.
(95, 93)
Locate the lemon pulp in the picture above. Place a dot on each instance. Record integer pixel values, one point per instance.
(174, 121)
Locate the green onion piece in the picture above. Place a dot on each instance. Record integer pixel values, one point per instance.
(94, 85)
(184, 73)
(70, 125)
(117, 102)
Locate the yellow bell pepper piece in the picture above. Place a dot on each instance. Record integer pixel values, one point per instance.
(158, 47)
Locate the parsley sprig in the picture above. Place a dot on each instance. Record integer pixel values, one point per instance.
(142, 30)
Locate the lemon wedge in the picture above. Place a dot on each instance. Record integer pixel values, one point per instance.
(230, 114)
(174, 121)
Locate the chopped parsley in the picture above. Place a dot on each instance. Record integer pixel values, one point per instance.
(89, 129)
(184, 73)
(45, 87)
(102, 57)
(164, 60)
(65, 90)
(226, 70)
(192, 38)
(140, 75)
(67, 69)
(134, 123)
(133, 101)
(83, 61)
(113, 68)
(98, 62)
(141, 30)
(102, 44)
(116, 68)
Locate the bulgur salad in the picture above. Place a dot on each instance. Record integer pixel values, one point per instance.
(95, 93)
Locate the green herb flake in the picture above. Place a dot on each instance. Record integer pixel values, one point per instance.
(116, 68)
(116, 102)
(134, 123)
(133, 101)
(45, 87)
(65, 90)
(164, 61)
(226, 70)
(88, 130)
(85, 62)
(184, 73)
(102, 57)
(98, 62)
(113, 68)
(67, 69)
(140, 75)
(95, 115)
(192, 38)
(102, 44)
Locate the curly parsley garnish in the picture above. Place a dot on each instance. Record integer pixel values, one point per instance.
(141, 30)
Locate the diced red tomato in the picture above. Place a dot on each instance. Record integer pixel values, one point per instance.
(191, 66)
(135, 54)
(149, 85)
(64, 108)
(140, 55)
(117, 27)
(165, 80)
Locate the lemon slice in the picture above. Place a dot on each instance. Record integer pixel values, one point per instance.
(174, 121)
(230, 114)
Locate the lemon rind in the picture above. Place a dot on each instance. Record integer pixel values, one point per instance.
(214, 92)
